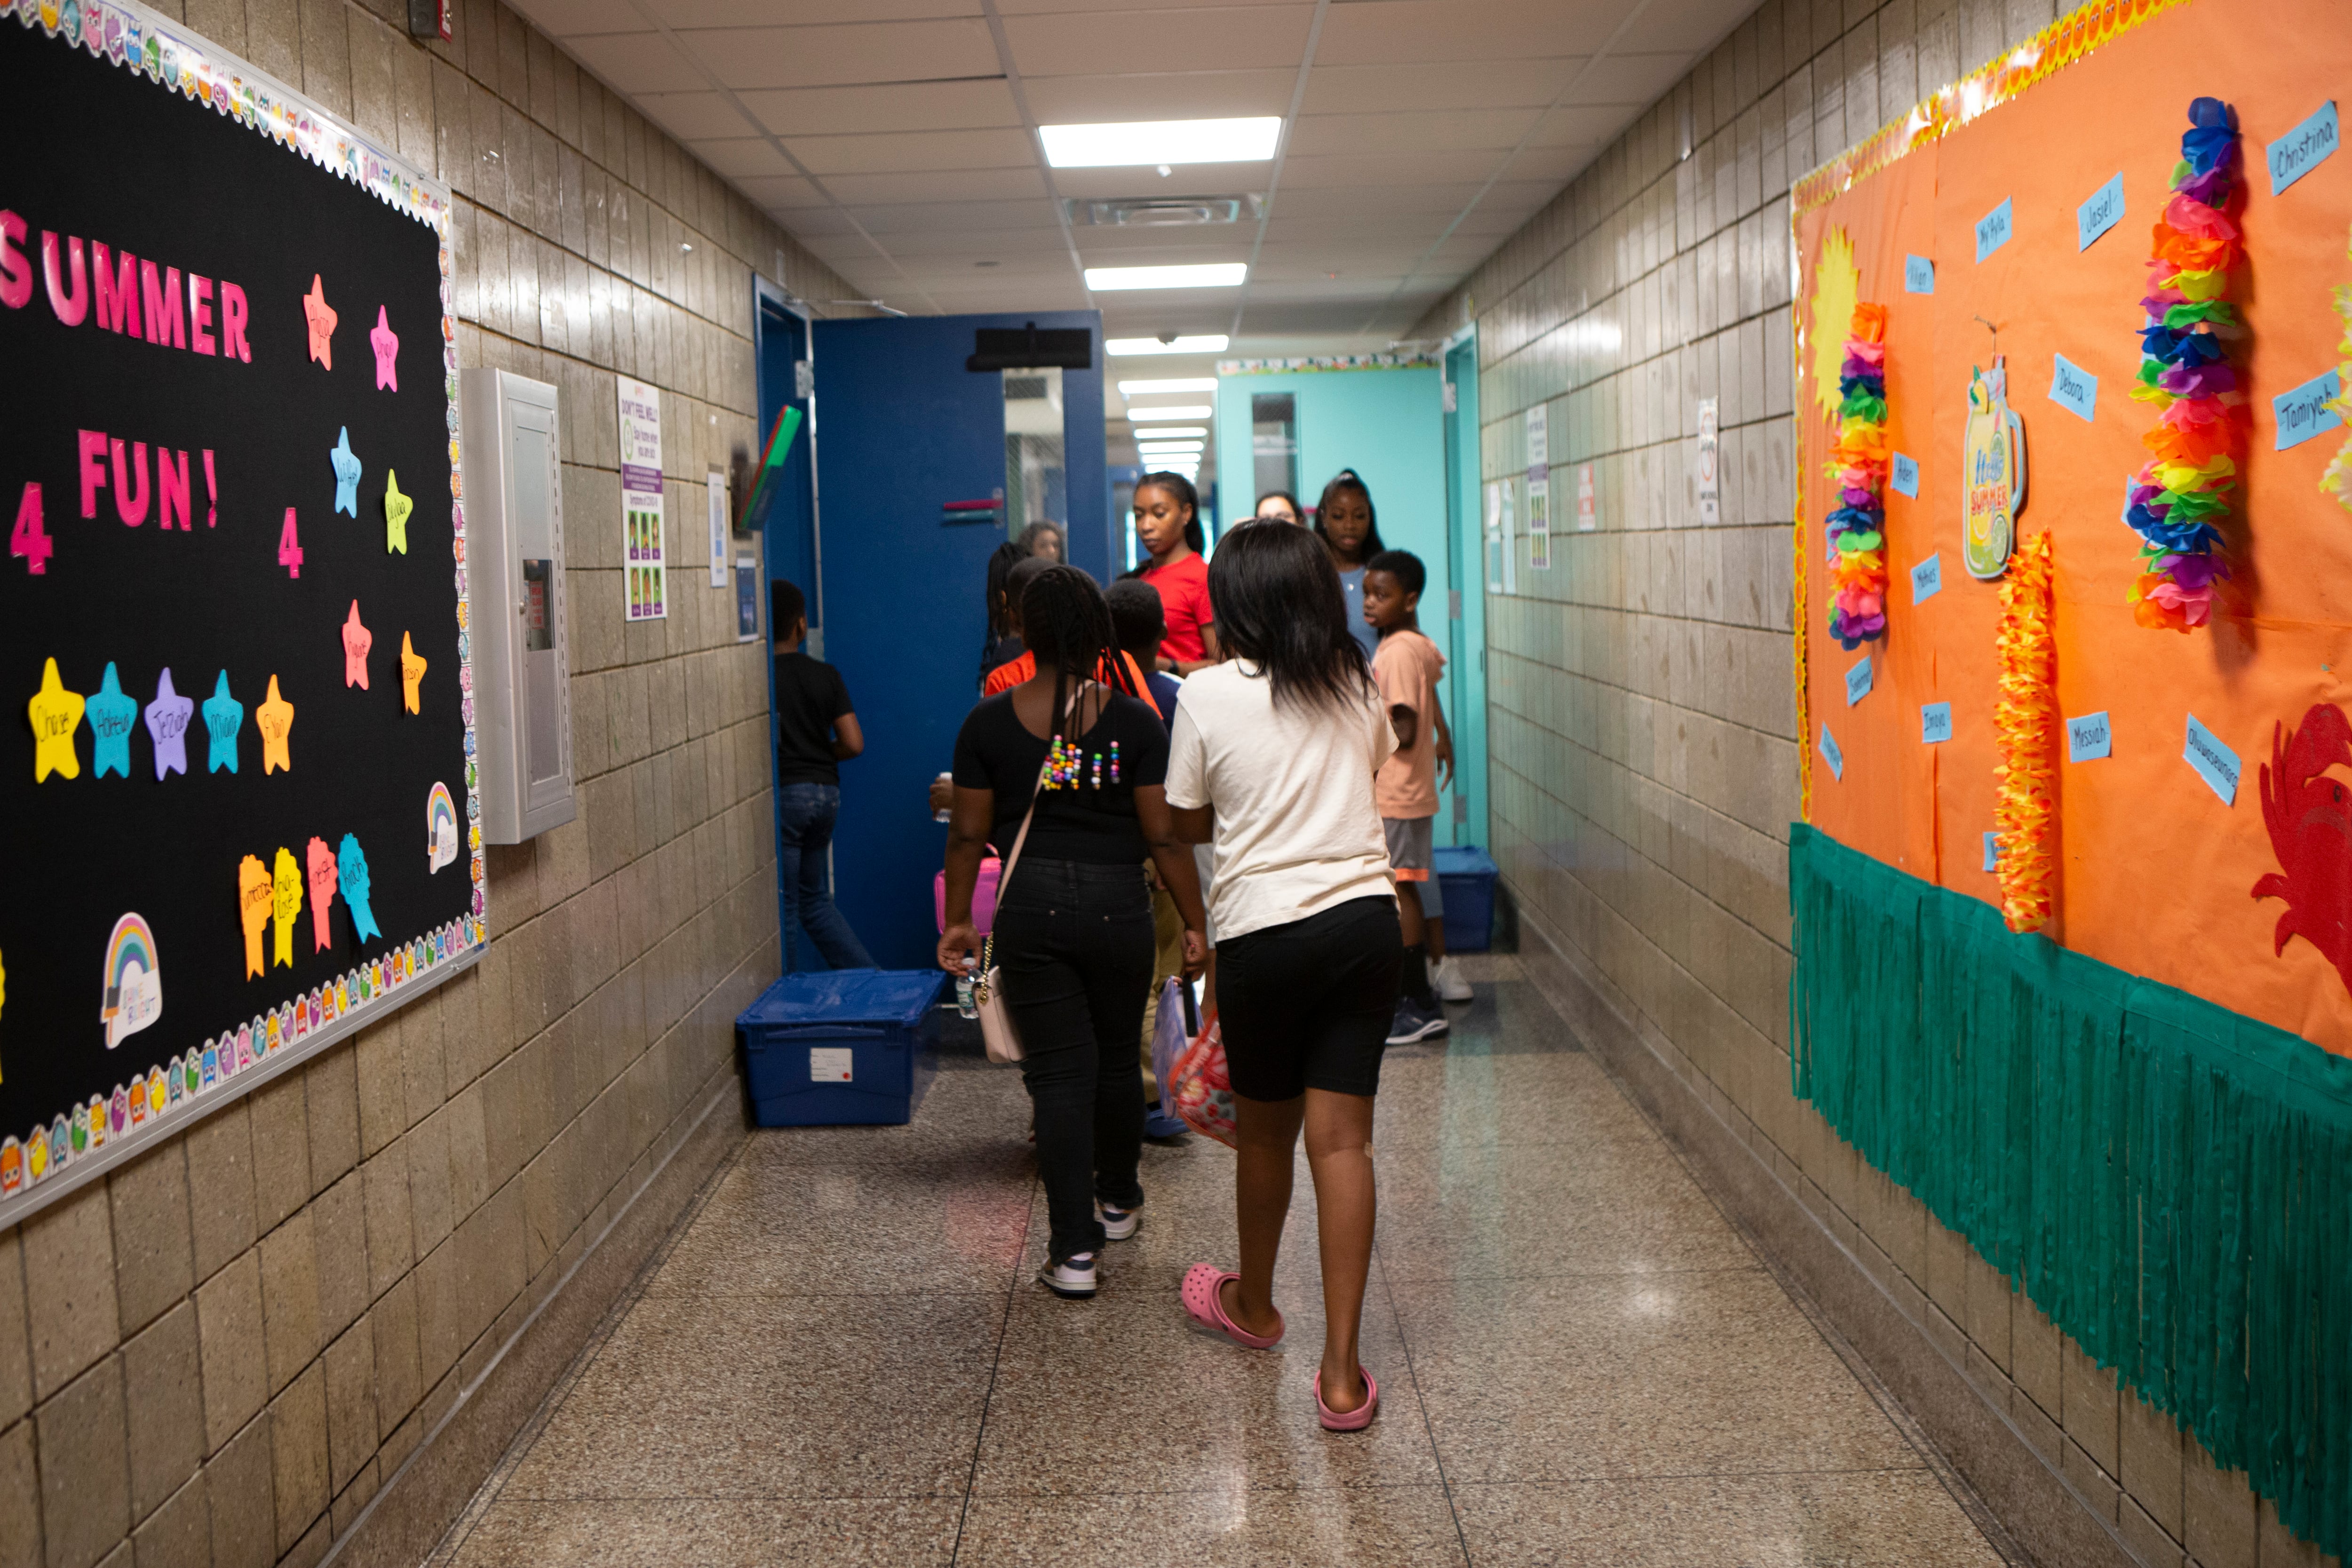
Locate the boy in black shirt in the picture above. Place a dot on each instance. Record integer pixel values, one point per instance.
(815, 731)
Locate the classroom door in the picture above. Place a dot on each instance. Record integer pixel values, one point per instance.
(916, 469)
(1466, 649)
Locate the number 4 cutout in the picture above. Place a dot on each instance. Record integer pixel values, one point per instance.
(289, 547)
(29, 538)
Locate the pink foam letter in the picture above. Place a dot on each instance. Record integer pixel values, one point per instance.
(232, 323)
(93, 469)
(171, 488)
(16, 272)
(200, 315)
(70, 306)
(117, 289)
(131, 508)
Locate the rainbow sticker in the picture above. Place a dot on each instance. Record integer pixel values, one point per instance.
(134, 980)
(440, 827)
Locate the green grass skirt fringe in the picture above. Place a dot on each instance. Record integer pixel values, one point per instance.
(2171, 1182)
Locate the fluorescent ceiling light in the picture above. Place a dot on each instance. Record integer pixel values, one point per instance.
(1148, 141)
(1175, 383)
(1139, 416)
(1154, 441)
(1202, 275)
(1210, 343)
(1191, 450)
(1171, 432)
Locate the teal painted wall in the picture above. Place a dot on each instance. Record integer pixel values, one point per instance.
(1389, 426)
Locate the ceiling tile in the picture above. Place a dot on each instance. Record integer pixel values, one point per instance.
(944, 217)
(1583, 124)
(1693, 27)
(1184, 180)
(693, 116)
(566, 18)
(803, 13)
(969, 245)
(1406, 32)
(1095, 100)
(1638, 80)
(1418, 131)
(1224, 37)
(898, 107)
(845, 55)
(1235, 248)
(1369, 223)
(1466, 84)
(784, 192)
(938, 185)
(909, 152)
(1388, 169)
(1114, 246)
(637, 62)
(1316, 202)
(742, 157)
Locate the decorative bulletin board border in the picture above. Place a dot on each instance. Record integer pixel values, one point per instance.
(84, 1140)
(1328, 361)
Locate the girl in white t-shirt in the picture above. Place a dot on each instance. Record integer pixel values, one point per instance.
(1272, 760)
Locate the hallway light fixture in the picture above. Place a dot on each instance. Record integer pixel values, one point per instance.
(1150, 445)
(1151, 143)
(1198, 275)
(1140, 415)
(1176, 383)
(1208, 343)
(1171, 432)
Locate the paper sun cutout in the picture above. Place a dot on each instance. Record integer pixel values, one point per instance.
(1837, 290)
(321, 317)
(387, 343)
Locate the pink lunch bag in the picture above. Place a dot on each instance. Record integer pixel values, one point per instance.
(983, 896)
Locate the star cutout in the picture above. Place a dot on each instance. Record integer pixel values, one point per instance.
(387, 343)
(167, 726)
(57, 714)
(224, 716)
(396, 508)
(357, 640)
(111, 716)
(321, 317)
(253, 902)
(347, 473)
(322, 892)
(274, 720)
(286, 902)
(412, 672)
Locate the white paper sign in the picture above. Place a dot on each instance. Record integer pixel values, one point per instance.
(1495, 547)
(1710, 484)
(1510, 542)
(830, 1064)
(1538, 441)
(1588, 509)
(715, 485)
(645, 578)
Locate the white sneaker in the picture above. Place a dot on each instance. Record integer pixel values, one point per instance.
(1118, 1224)
(1447, 975)
(1075, 1276)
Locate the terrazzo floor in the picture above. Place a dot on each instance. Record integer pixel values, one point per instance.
(842, 1358)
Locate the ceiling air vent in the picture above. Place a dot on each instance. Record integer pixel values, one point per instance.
(1163, 212)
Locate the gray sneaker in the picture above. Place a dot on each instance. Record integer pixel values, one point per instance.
(1074, 1278)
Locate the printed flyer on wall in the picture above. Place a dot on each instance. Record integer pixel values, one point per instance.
(647, 575)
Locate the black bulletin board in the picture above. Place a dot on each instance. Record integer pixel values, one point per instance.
(233, 198)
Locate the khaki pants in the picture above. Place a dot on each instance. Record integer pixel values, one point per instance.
(1168, 931)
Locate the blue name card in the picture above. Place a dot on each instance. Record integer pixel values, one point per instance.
(1992, 851)
(2088, 738)
(1832, 756)
(2302, 413)
(1857, 682)
(2100, 214)
(1993, 230)
(1927, 579)
(2214, 762)
(1904, 478)
(1935, 723)
(1918, 275)
(2072, 387)
(2303, 148)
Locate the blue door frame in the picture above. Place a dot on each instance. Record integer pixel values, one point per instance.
(791, 548)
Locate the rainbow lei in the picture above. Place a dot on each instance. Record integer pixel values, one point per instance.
(2179, 500)
(2025, 727)
(1857, 529)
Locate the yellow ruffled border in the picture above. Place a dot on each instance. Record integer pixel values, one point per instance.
(2025, 726)
(2337, 481)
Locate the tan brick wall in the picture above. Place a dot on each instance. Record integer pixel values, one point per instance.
(1642, 718)
(221, 1352)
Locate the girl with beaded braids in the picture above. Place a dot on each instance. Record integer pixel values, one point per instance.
(1073, 938)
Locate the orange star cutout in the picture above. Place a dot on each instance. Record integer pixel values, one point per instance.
(274, 720)
(321, 317)
(412, 672)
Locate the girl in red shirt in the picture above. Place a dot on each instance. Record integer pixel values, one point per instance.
(1168, 525)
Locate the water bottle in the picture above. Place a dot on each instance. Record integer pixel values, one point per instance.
(965, 1005)
(942, 815)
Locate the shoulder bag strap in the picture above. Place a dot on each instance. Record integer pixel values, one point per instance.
(1005, 876)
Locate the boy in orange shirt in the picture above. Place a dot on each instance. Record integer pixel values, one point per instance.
(1406, 667)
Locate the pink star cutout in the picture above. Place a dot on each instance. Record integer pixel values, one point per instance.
(387, 343)
(321, 317)
(357, 640)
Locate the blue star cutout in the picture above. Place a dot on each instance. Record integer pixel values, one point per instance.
(347, 474)
(110, 716)
(224, 716)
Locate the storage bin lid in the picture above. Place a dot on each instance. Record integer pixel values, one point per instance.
(1469, 860)
(847, 996)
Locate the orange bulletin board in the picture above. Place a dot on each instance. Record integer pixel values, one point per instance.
(2154, 873)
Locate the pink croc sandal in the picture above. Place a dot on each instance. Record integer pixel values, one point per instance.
(1202, 1284)
(1355, 1420)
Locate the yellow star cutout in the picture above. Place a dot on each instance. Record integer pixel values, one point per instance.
(57, 714)
(274, 720)
(412, 672)
(396, 508)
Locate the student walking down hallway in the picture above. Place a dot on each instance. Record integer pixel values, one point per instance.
(816, 731)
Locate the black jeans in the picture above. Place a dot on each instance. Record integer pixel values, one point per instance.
(1075, 943)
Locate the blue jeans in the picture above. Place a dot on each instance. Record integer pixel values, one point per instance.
(808, 810)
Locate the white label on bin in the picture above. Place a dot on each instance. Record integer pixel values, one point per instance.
(829, 1064)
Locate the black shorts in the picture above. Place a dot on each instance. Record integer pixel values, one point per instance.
(1310, 1005)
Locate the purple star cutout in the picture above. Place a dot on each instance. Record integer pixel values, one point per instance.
(167, 721)
(387, 343)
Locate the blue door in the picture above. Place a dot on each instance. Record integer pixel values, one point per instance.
(912, 440)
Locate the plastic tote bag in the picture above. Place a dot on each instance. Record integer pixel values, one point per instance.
(1172, 1027)
(1200, 1088)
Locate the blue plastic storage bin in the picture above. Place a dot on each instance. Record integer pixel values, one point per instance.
(1466, 878)
(844, 1046)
